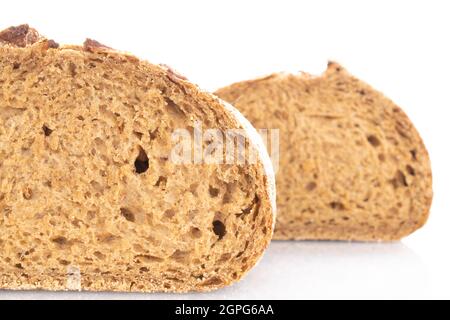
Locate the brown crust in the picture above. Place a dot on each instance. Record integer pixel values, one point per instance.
(92, 45)
(172, 74)
(94, 283)
(51, 44)
(20, 36)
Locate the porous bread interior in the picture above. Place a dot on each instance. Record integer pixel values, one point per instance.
(86, 183)
(352, 166)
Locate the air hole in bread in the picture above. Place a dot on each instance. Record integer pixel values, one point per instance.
(413, 154)
(72, 69)
(127, 214)
(193, 188)
(250, 207)
(382, 157)
(311, 186)
(47, 130)
(219, 229)
(393, 211)
(99, 255)
(97, 186)
(90, 215)
(174, 279)
(138, 247)
(63, 262)
(214, 281)
(198, 276)
(161, 182)
(196, 232)
(410, 170)
(228, 196)
(60, 240)
(173, 108)
(138, 134)
(213, 192)
(180, 256)
(153, 134)
(146, 258)
(107, 238)
(169, 213)
(225, 257)
(373, 140)
(16, 65)
(399, 180)
(336, 205)
(27, 193)
(141, 162)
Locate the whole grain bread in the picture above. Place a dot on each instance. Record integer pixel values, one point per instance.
(352, 165)
(89, 196)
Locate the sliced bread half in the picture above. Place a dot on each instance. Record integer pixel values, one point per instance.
(352, 165)
(91, 197)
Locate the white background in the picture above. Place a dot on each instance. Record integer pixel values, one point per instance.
(399, 47)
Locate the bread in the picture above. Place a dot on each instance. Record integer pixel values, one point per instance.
(352, 165)
(91, 197)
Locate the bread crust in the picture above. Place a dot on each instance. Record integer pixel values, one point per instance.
(258, 99)
(20, 36)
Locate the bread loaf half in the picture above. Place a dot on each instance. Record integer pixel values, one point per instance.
(352, 166)
(91, 197)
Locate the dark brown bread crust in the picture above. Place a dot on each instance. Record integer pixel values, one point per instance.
(91, 45)
(20, 36)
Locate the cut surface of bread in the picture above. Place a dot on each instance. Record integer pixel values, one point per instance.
(89, 196)
(352, 166)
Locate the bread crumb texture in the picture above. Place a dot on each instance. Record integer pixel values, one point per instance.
(352, 166)
(89, 199)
